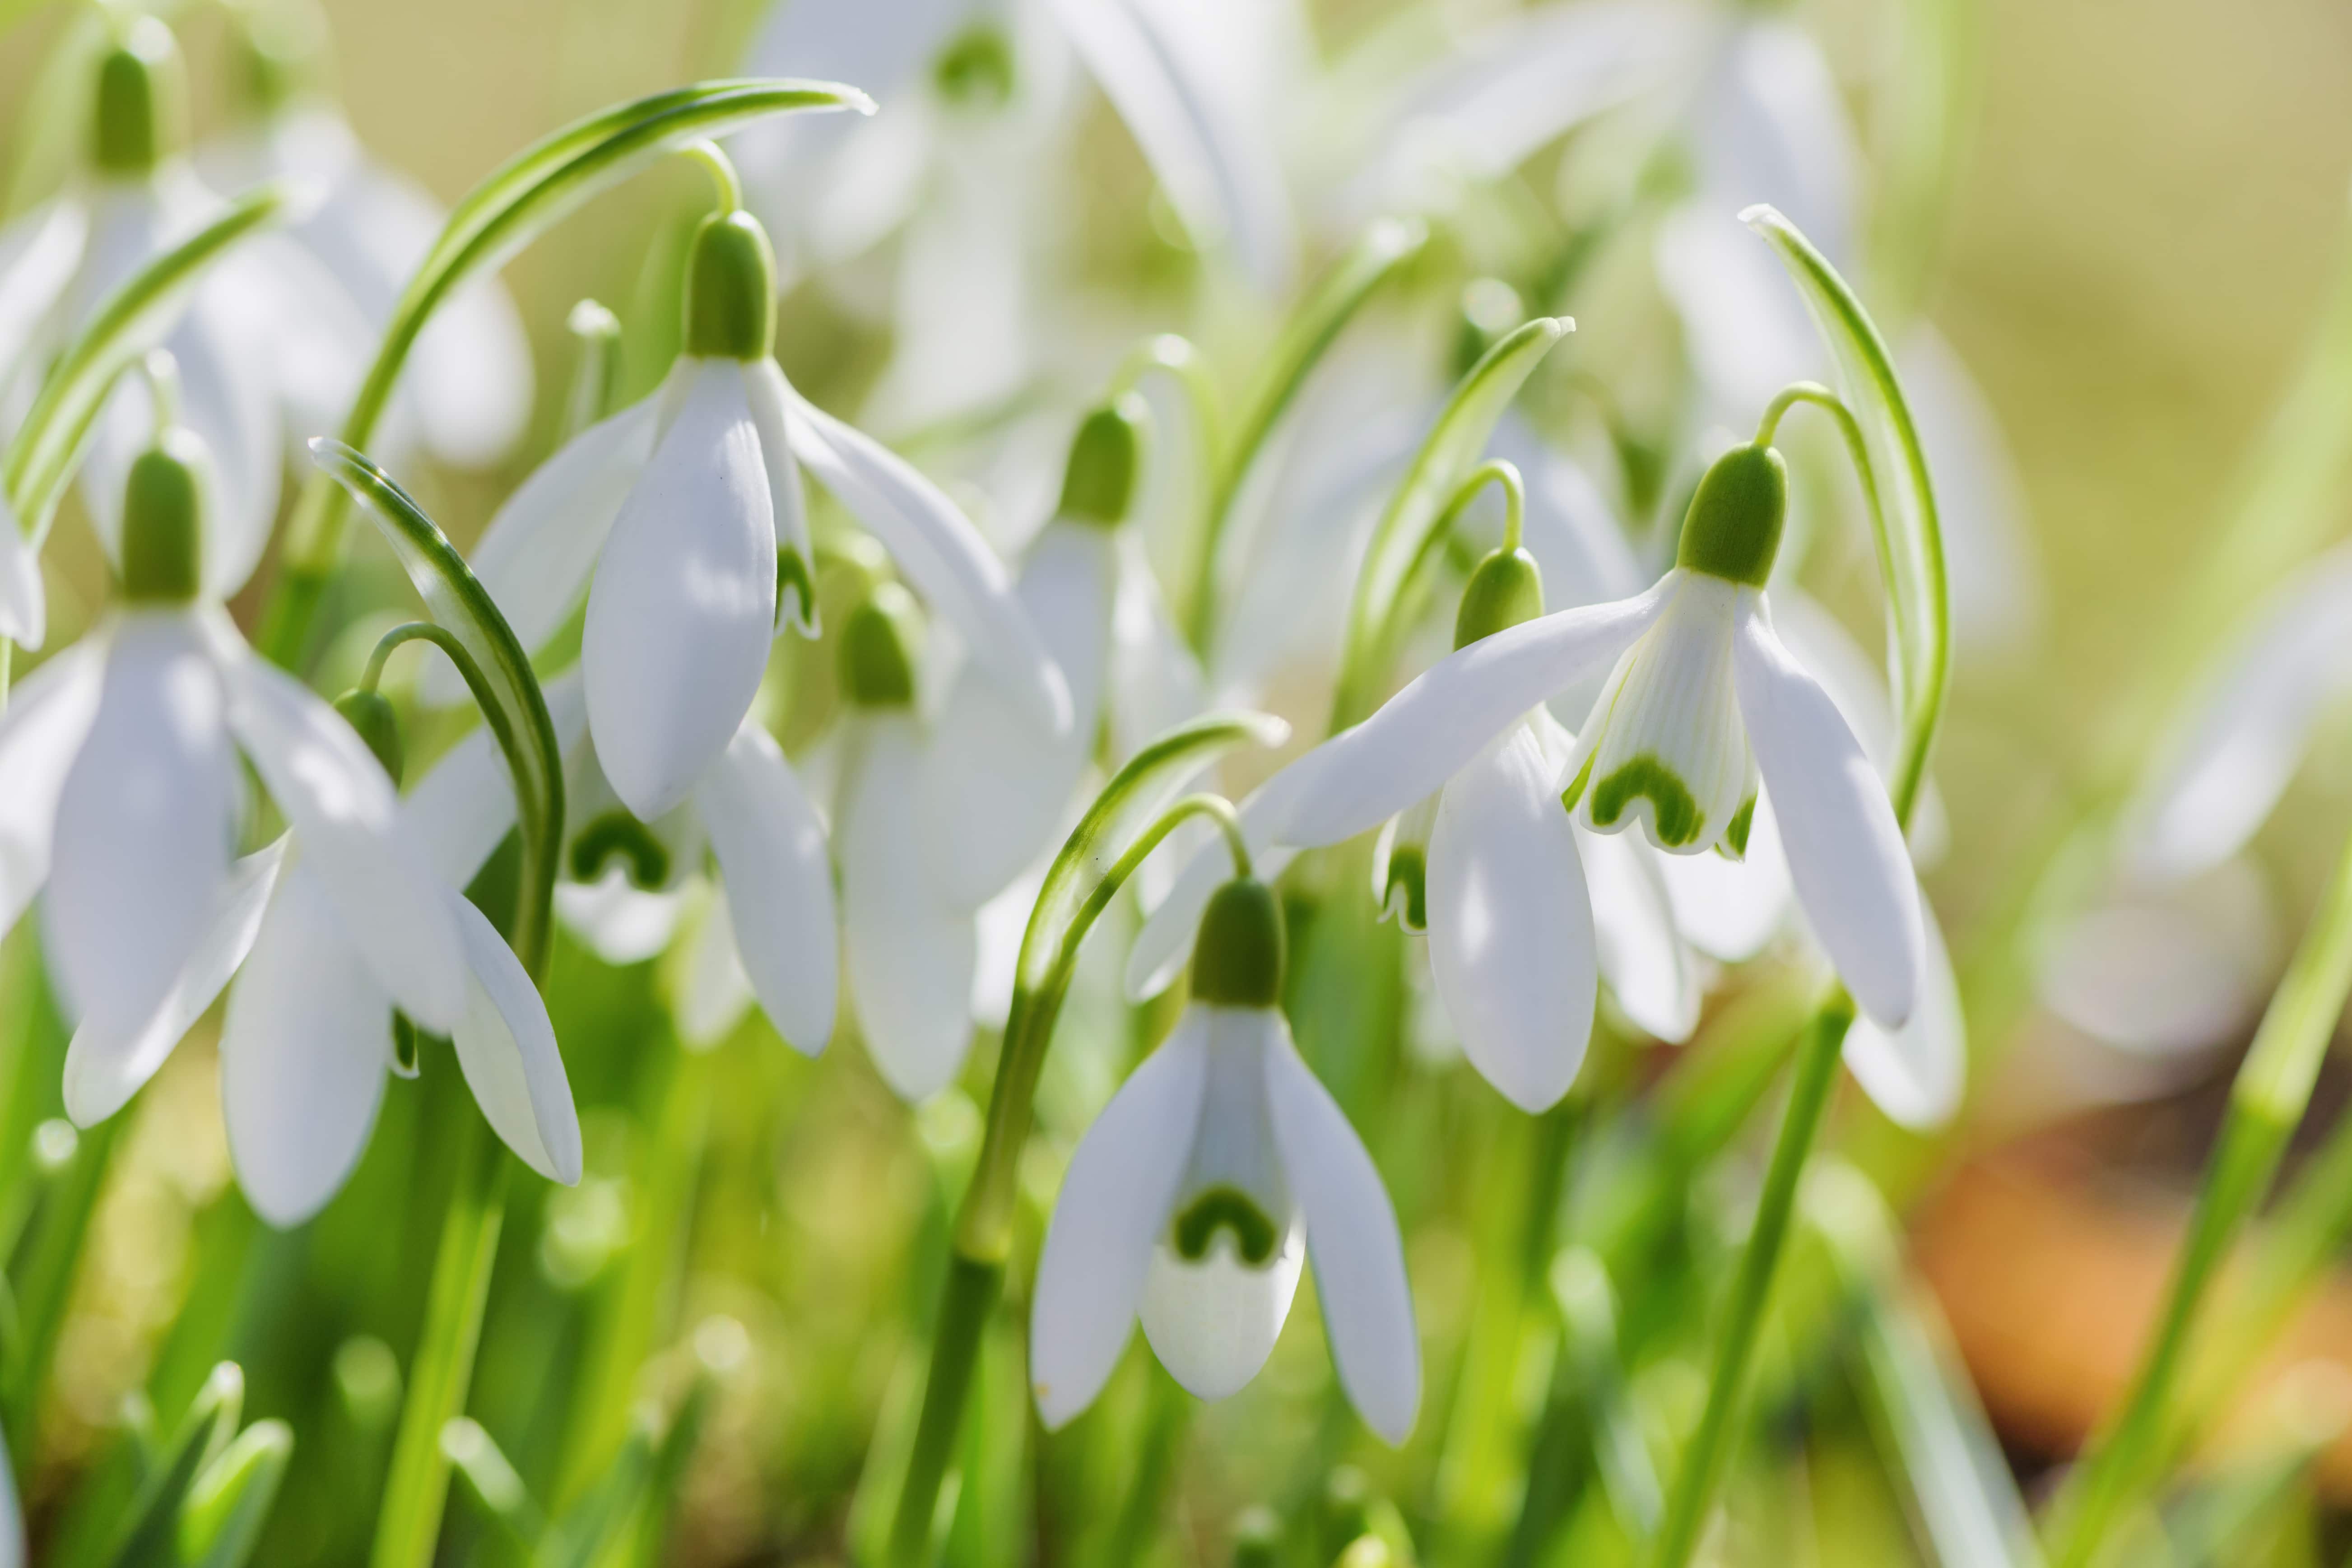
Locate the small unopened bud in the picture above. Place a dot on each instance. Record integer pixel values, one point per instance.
(976, 68)
(1238, 958)
(163, 520)
(1505, 589)
(366, 710)
(730, 288)
(877, 643)
(1099, 485)
(281, 49)
(1733, 528)
(141, 103)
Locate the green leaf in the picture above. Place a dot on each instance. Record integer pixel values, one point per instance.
(503, 685)
(495, 1487)
(151, 1538)
(221, 1521)
(1453, 447)
(126, 323)
(517, 203)
(1910, 540)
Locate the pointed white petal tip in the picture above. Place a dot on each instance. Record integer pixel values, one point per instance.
(1761, 215)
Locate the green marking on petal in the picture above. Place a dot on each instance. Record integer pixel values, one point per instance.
(794, 577)
(1575, 790)
(1674, 813)
(1735, 836)
(406, 1042)
(616, 833)
(1225, 1208)
(1407, 894)
(976, 67)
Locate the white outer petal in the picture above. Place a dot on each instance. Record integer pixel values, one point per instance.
(618, 921)
(770, 846)
(996, 784)
(1652, 975)
(1846, 857)
(141, 843)
(41, 730)
(1113, 1207)
(1917, 1074)
(940, 553)
(1730, 909)
(373, 867)
(1352, 1240)
(910, 953)
(104, 1070)
(23, 604)
(683, 607)
(465, 804)
(304, 1051)
(1155, 682)
(2168, 972)
(38, 253)
(710, 992)
(1510, 924)
(506, 1048)
(540, 548)
(772, 413)
(1991, 566)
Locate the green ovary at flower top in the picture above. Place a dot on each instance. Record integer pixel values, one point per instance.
(1195, 1199)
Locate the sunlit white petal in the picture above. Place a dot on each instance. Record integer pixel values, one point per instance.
(1918, 1073)
(506, 1048)
(41, 730)
(770, 846)
(1653, 977)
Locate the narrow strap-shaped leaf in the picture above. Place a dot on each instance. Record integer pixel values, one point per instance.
(512, 702)
(1453, 445)
(505, 212)
(491, 1481)
(221, 1522)
(126, 324)
(151, 1538)
(1910, 539)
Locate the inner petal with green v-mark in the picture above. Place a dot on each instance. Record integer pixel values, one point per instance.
(1675, 815)
(1225, 1208)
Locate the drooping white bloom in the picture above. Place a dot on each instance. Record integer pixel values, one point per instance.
(684, 519)
(996, 784)
(1220, 1169)
(1703, 698)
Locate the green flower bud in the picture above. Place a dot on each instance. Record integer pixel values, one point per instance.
(1505, 589)
(1099, 485)
(976, 67)
(367, 711)
(730, 288)
(1733, 528)
(163, 520)
(141, 101)
(1257, 1539)
(1238, 958)
(877, 643)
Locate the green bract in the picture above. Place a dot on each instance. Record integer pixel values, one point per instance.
(730, 288)
(1733, 528)
(141, 101)
(1238, 958)
(1098, 484)
(164, 521)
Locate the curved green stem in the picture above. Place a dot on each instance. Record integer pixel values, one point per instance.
(1499, 472)
(422, 631)
(505, 212)
(722, 170)
(1049, 954)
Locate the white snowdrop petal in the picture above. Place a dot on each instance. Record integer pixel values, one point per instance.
(465, 804)
(1729, 908)
(12, 1512)
(141, 843)
(1113, 1208)
(771, 413)
(1453, 709)
(1846, 859)
(303, 1051)
(507, 1049)
(617, 920)
(1155, 682)
(373, 867)
(1991, 568)
(1510, 923)
(1652, 975)
(770, 846)
(910, 953)
(1352, 1241)
(38, 253)
(23, 604)
(2170, 971)
(711, 991)
(1213, 1322)
(104, 1069)
(995, 784)
(540, 549)
(683, 605)
(1917, 1074)
(41, 730)
(942, 555)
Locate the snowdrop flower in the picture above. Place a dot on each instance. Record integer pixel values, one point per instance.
(1219, 1169)
(748, 828)
(60, 260)
(996, 786)
(683, 518)
(467, 388)
(119, 790)
(1702, 698)
(909, 949)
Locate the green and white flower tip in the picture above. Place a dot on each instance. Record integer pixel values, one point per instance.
(119, 787)
(997, 785)
(1219, 1170)
(1699, 678)
(683, 519)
